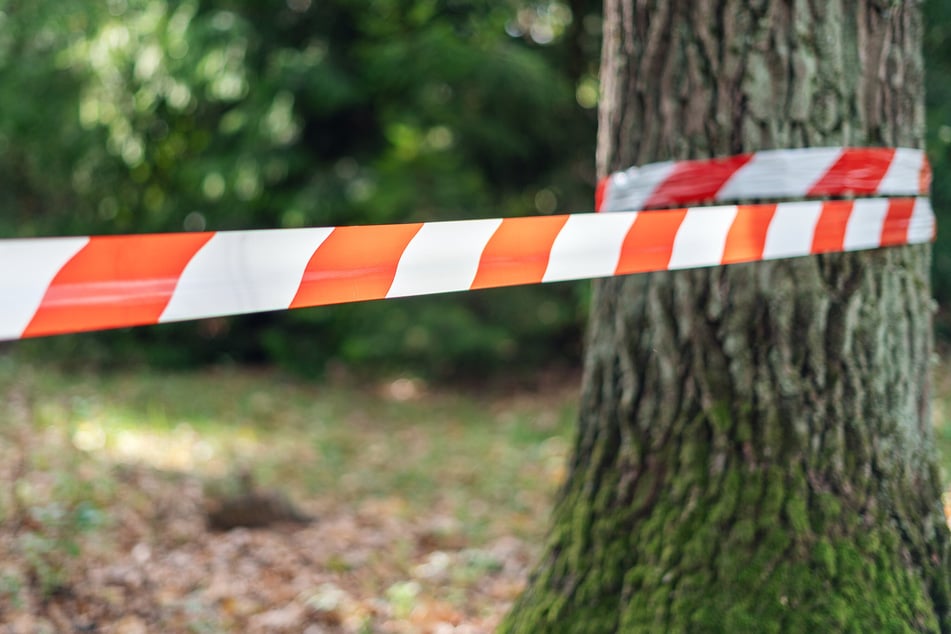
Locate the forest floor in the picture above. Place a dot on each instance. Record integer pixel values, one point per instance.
(427, 505)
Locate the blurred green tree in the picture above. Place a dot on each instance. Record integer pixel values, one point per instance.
(152, 115)
(160, 115)
(937, 44)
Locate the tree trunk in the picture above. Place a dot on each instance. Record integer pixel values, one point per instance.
(754, 450)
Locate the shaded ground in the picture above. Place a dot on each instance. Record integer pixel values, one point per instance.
(369, 568)
(429, 505)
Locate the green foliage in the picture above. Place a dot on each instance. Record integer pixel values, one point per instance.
(55, 528)
(937, 45)
(152, 115)
(402, 597)
(180, 116)
(11, 586)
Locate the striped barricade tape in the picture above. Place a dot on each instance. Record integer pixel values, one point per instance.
(63, 285)
(771, 174)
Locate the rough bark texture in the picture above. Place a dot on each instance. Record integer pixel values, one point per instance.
(754, 450)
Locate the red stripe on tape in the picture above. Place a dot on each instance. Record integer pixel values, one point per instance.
(747, 236)
(857, 171)
(924, 177)
(354, 264)
(692, 181)
(895, 227)
(830, 227)
(600, 192)
(518, 251)
(115, 281)
(650, 241)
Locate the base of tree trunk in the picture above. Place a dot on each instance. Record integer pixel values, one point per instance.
(723, 486)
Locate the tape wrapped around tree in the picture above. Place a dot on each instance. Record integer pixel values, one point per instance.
(63, 285)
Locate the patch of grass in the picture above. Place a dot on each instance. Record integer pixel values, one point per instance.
(941, 414)
(482, 456)
(101, 480)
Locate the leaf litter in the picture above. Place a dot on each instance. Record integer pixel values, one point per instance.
(421, 510)
(418, 510)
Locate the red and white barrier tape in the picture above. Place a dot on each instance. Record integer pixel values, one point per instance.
(772, 174)
(64, 285)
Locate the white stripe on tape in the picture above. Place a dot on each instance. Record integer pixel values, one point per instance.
(905, 167)
(589, 245)
(243, 272)
(792, 229)
(630, 189)
(28, 268)
(442, 257)
(702, 237)
(779, 174)
(922, 225)
(864, 230)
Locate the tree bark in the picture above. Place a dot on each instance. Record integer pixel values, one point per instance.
(754, 451)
